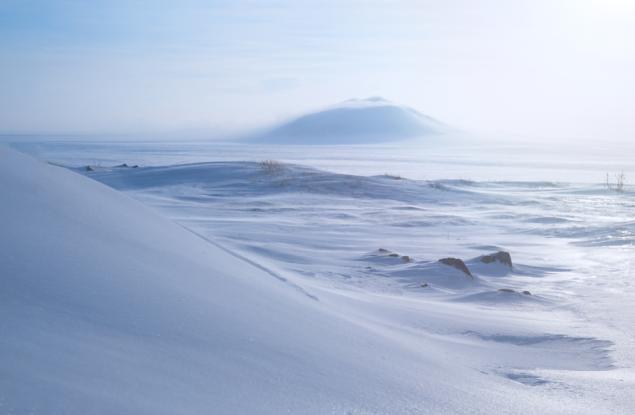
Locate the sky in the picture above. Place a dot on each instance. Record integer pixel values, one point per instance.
(555, 69)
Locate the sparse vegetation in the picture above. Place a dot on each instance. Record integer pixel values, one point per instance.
(271, 166)
(620, 182)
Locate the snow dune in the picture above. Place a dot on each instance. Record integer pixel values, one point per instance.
(108, 307)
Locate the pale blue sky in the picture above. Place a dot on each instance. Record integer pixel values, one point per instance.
(536, 67)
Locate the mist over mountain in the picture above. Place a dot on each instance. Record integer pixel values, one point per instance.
(356, 121)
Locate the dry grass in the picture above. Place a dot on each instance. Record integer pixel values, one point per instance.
(271, 166)
(620, 182)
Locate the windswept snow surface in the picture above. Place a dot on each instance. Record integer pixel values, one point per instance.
(283, 288)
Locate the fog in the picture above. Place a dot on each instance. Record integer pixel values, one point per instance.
(549, 70)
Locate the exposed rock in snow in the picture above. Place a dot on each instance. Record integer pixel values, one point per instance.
(511, 290)
(501, 257)
(456, 263)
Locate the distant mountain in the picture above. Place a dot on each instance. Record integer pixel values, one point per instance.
(370, 120)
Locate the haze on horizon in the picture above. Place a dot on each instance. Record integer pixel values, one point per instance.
(538, 68)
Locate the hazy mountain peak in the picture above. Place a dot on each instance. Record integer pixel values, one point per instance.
(367, 120)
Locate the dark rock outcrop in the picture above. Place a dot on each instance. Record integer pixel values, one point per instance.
(509, 290)
(458, 264)
(501, 256)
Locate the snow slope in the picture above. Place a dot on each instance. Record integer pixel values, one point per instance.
(370, 120)
(109, 308)
(327, 228)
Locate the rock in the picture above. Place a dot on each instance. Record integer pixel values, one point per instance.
(501, 256)
(406, 258)
(509, 290)
(456, 263)
(394, 255)
(88, 168)
(122, 165)
(424, 285)
(383, 251)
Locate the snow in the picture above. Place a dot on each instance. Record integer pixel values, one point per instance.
(370, 120)
(229, 287)
(108, 308)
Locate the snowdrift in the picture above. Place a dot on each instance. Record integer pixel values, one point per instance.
(246, 178)
(371, 120)
(109, 308)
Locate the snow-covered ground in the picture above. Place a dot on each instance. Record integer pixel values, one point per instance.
(313, 285)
